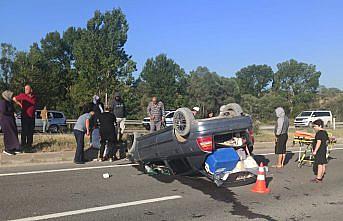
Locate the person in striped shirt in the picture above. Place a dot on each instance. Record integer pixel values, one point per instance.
(156, 113)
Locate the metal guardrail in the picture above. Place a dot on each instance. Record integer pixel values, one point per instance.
(70, 124)
(127, 122)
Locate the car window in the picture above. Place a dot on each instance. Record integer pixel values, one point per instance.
(321, 114)
(57, 115)
(305, 114)
(38, 115)
(170, 115)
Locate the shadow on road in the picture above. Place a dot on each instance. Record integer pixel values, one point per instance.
(261, 158)
(207, 187)
(289, 156)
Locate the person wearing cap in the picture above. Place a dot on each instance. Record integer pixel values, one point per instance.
(8, 125)
(98, 108)
(195, 111)
(156, 113)
(27, 102)
(319, 151)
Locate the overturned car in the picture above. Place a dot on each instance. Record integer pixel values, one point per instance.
(217, 147)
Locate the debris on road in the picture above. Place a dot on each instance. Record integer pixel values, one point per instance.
(106, 175)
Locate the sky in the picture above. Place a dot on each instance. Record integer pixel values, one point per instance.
(222, 35)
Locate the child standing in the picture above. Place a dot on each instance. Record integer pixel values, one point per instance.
(320, 149)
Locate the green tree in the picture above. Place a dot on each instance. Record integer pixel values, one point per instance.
(255, 79)
(100, 59)
(209, 91)
(163, 78)
(6, 64)
(298, 82)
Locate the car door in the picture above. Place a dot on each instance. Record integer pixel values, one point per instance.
(38, 121)
(169, 118)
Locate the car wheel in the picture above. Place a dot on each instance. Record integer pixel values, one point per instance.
(183, 118)
(53, 129)
(310, 124)
(231, 110)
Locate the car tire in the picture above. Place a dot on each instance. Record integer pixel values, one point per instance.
(233, 109)
(310, 124)
(53, 128)
(146, 126)
(183, 118)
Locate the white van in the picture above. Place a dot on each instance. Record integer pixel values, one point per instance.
(305, 118)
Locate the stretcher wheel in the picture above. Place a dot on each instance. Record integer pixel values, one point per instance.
(300, 164)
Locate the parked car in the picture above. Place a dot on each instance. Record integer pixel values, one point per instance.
(192, 146)
(57, 121)
(306, 118)
(168, 120)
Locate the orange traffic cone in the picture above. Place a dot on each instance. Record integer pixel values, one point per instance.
(260, 185)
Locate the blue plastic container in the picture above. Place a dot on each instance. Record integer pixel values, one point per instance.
(224, 159)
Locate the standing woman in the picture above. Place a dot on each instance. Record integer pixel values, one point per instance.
(281, 136)
(8, 125)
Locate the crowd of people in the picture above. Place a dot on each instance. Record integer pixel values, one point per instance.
(105, 125)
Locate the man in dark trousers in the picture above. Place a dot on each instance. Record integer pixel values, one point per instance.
(118, 109)
(107, 133)
(27, 102)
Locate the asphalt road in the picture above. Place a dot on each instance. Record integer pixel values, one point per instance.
(67, 193)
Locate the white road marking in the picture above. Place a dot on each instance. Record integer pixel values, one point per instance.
(293, 151)
(65, 170)
(96, 209)
(110, 166)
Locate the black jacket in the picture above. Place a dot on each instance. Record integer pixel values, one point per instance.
(118, 108)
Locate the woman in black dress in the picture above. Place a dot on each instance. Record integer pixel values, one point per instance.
(320, 149)
(8, 125)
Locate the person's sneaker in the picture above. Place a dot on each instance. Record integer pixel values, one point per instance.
(10, 153)
(18, 151)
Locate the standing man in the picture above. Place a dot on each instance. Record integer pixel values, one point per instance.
(81, 129)
(281, 136)
(156, 113)
(27, 102)
(107, 134)
(44, 116)
(118, 108)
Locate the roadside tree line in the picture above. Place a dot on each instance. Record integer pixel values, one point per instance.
(67, 69)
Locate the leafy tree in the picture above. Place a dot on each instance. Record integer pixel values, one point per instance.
(298, 82)
(209, 91)
(100, 59)
(255, 79)
(6, 64)
(163, 78)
